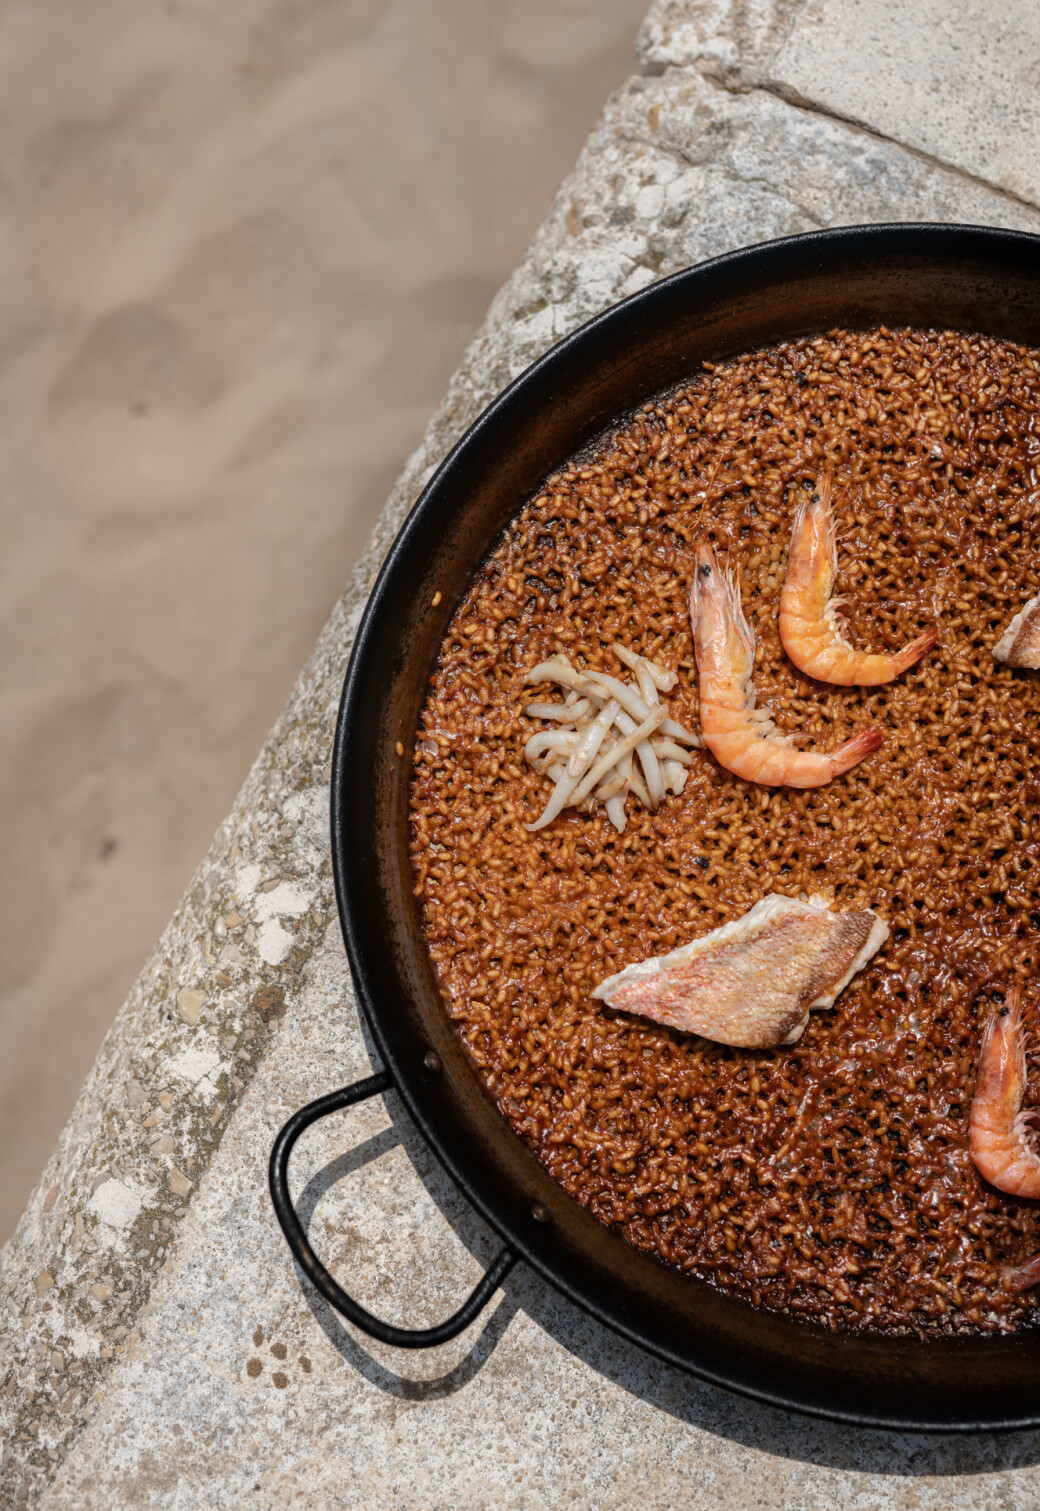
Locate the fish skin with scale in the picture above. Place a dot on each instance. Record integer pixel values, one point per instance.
(1019, 645)
(752, 983)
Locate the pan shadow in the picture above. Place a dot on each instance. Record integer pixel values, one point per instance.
(690, 1401)
(328, 1319)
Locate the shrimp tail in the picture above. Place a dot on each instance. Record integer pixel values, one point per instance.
(855, 750)
(913, 652)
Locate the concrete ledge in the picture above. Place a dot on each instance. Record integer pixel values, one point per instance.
(157, 1346)
(956, 79)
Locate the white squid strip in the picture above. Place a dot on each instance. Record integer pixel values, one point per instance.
(629, 699)
(556, 671)
(611, 786)
(676, 732)
(630, 658)
(565, 712)
(630, 745)
(635, 784)
(668, 750)
(615, 813)
(634, 780)
(630, 742)
(647, 685)
(590, 685)
(647, 759)
(562, 740)
(585, 751)
(664, 681)
(652, 771)
(561, 796)
(634, 705)
(599, 686)
(655, 783)
(674, 776)
(600, 695)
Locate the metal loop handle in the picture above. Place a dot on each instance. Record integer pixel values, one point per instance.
(318, 1275)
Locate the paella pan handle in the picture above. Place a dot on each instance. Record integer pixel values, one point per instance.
(318, 1275)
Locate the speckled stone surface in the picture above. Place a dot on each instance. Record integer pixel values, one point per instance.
(956, 79)
(156, 1345)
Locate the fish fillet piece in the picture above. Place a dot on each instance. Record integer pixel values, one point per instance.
(1019, 645)
(752, 983)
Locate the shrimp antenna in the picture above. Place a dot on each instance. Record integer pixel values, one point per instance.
(708, 492)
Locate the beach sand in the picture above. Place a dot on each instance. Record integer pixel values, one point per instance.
(244, 247)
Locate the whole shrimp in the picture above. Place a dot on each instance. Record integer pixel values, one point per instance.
(809, 627)
(1000, 1138)
(741, 737)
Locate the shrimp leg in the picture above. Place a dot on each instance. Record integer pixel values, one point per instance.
(742, 738)
(809, 627)
(1000, 1138)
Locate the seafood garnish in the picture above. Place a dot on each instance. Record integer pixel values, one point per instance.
(752, 983)
(602, 728)
(1002, 1142)
(741, 737)
(810, 628)
(1019, 645)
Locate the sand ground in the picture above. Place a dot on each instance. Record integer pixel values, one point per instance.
(243, 247)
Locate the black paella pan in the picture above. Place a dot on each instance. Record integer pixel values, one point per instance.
(960, 277)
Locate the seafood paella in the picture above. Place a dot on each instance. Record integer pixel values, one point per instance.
(722, 828)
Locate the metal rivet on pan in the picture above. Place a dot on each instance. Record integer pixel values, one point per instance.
(540, 1213)
(432, 1061)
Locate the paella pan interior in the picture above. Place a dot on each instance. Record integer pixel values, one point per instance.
(961, 279)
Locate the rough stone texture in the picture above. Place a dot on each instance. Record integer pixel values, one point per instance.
(957, 79)
(730, 39)
(158, 1348)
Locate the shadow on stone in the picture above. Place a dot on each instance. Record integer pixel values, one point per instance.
(344, 1341)
(763, 1428)
(403, 1386)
